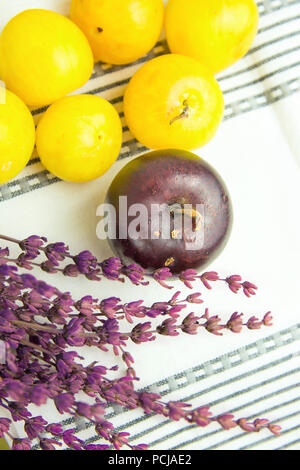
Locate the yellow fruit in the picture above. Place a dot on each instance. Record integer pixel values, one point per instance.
(172, 101)
(216, 32)
(79, 137)
(17, 135)
(119, 31)
(43, 56)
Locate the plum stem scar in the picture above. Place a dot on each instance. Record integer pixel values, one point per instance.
(184, 114)
(191, 213)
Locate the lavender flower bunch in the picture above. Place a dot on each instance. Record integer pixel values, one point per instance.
(40, 324)
(59, 259)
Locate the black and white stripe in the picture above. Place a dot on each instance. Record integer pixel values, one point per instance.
(261, 379)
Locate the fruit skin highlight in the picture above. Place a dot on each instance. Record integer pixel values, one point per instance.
(43, 57)
(17, 135)
(173, 101)
(79, 137)
(122, 31)
(169, 178)
(216, 32)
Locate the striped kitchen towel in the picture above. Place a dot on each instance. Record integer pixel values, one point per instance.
(257, 151)
(269, 73)
(262, 378)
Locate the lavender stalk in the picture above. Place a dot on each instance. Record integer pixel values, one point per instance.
(39, 324)
(86, 264)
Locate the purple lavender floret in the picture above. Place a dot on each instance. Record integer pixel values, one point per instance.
(39, 325)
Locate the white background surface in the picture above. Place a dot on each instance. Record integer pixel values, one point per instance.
(256, 154)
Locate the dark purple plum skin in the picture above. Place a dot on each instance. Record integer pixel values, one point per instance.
(172, 176)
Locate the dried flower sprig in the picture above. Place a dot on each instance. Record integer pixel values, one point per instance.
(25, 301)
(85, 263)
(38, 324)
